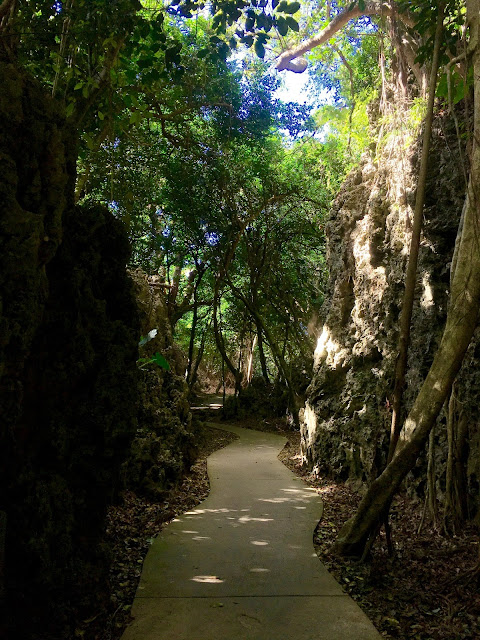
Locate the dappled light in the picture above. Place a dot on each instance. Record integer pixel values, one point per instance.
(204, 276)
(207, 579)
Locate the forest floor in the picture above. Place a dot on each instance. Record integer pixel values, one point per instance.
(428, 591)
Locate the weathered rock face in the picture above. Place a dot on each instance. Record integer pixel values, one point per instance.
(68, 346)
(164, 445)
(347, 414)
(33, 196)
(79, 415)
(71, 394)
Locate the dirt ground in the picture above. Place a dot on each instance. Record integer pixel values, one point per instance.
(427, 591)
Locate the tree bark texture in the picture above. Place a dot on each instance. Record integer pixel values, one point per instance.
(389, 9)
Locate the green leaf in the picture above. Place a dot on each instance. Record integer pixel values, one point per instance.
(282, 26)
(185, 12)
(247, 40)
(292, 23)
(442, 87)
(135, 117)
(288, 7)
(70, 109)
(293, 7)
(361, 5)
(259, 49)
(459, 91)
(160, 360)
(89, 141)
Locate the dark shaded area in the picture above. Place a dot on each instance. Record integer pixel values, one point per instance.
(79, 395)
(70, 388)
(427, 590)
(260, 399)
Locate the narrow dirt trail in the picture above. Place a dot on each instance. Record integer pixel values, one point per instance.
(242, 563)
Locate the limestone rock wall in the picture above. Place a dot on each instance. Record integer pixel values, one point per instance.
(347, 414)
(165, 442)
(72, 398)
(78, 417)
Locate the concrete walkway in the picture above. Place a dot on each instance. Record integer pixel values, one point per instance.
(242, 564)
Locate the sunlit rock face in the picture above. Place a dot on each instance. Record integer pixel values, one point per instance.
(347, 415)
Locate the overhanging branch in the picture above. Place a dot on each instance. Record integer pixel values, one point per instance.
(287, 60)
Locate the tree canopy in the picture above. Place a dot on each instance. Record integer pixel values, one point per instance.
(180, 135)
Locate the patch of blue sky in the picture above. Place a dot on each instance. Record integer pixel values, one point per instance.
(212, 238)
(295, 88)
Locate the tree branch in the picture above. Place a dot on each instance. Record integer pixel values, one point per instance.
(5, 8)
(286, 59)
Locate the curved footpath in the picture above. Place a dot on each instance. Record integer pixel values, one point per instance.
(242, 564)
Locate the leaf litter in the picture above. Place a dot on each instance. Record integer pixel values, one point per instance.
(429, 590)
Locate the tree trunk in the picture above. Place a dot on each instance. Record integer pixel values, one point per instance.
(250, 360)
(276, 352)
(455, 485)
(193, 331)
(237, 375)
(411, 276)
(198, 359)
(281, 363)
(261, 353)
(449, 516)
(461, 458)
(461, 321)
(431, 480)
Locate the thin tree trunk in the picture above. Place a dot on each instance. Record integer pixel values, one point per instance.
(285, 341)
(198, 359)
(411, 276)
(461, 322)
(461, 457)
(430, 503)
(455, 506)
(191, 344)
(250, 360)
(276, 352)
(431, 480)
(449, 517)
(261, 353)
(237, 376)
